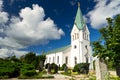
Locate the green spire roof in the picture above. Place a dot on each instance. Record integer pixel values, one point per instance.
(79, 21)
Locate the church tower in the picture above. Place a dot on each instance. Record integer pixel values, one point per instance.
(80, 41)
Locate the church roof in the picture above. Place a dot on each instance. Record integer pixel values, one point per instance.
(58, 49)
(79, 21)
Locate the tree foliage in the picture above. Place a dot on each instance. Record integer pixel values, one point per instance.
(109, 43)
(31, 58)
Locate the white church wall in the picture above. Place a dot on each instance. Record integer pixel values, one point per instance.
(54, 58)
(67, 53)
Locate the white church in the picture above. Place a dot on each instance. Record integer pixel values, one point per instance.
(79, 51)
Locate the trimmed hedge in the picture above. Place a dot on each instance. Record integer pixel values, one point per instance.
(81, 68)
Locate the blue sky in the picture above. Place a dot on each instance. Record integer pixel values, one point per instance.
(36, 25)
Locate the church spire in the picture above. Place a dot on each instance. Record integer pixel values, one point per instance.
(79, 21)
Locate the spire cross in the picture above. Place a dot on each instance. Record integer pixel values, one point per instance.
(78, 4)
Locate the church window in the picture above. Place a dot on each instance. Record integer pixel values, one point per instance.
(75, 59)
(86, 59)
(75, 46)
(49, 59)
(73, 37)
(58, 59)
(77, 35)
(86, 46)
(53, 59)
(87, 37)
(66, 60)
(83, 35)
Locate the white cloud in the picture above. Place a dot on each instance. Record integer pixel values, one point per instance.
(103, 10)
(4, 53)
(3, 17)
(30, 29)
(1, 4)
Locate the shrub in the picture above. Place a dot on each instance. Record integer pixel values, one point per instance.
(81, 68)
(46, 66)
(28, 70)
(63, 66)
(54, 67)
(9, 69)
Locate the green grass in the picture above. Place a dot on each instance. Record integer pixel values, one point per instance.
(38, 76)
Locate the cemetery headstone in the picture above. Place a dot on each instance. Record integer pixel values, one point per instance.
(101, 69)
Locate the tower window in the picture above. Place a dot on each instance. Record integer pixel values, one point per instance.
(77, 35)
(73, 37)
(75, 59)
(75, 46)
(87, 37)
(86, 59)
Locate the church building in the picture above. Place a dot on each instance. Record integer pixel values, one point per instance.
(79, 51)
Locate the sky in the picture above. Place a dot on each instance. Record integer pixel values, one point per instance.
(43, 25)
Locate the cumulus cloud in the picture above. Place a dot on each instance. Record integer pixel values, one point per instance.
(103, 10)
(4, 53)
(1, 4)
(30, 28)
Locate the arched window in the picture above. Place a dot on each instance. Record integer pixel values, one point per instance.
(53, 60)
(87, 37)
(86, 59)
(83, 35)
(75, 59)
(58, 59)
(77, 36)
(73, 37)
(66, 60)
(49, 59)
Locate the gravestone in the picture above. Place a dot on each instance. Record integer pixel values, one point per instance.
(101, 69)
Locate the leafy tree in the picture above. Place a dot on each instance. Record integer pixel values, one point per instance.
(41, 62)
(109, 43)
(30, 57)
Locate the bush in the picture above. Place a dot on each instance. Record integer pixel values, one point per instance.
(28, 70)
(46, 66)
(81, 68)
(54, 67)
(63, 67)
(29, 73)
(9, 69)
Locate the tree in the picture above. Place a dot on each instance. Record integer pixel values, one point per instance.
(109, 43)
(30, 57)
(41, 62)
